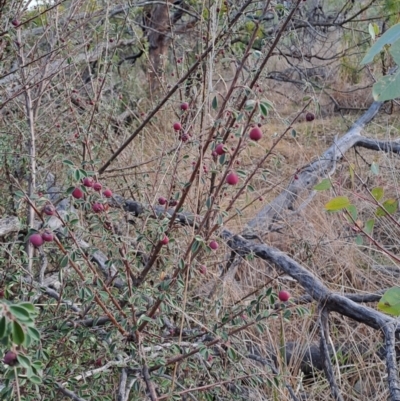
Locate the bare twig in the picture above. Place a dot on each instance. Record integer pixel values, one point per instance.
(122, 385)
(389, 332)
(68, 393)
(149, 384)
(326, 358)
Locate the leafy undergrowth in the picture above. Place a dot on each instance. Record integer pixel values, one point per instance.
(326, 243)
(121, 293)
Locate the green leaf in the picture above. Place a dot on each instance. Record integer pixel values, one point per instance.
(375, 168)
(389, 206)
(19, 194)
(222, 159)
(338, 203)
(195, 246)
(3, 327)
(263, 109)
(64, 261)
(249, 105)
(387, 87)
(68, 162)
(369, 226)
(24, 361)
(293, 133)
(18, 334)
(359, 240)
(214, 103)
(395, 52)
(391, 36)
(19, 312)
(353, 213)
(323, 185)
(371, 31)
(35, 379)
(390, 302)
(377, 193)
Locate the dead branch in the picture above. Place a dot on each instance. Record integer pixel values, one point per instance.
(326, 358)
(391, 361)
(150, 386)
(69, 393)
(9, 225)
(309, 175)
(122, 385)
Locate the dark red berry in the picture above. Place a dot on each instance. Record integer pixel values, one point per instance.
(47, 236)
(232, 179)
(97, 207)
(220, 149)
(255, 134)
(177, 126)
(10, 358)
(283, 296)
(49, 210)
(97, 186)
(310, 116)
(88, 182)
(36, 240)
(77, 193)
(213, 245)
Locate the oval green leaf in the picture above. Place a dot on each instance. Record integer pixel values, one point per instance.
(390, 302)
(338, 203)
(377, 193)
(19, 312)
(3, 327)
(323, 185)
(388, 38)
(18, 334)
(389, 207)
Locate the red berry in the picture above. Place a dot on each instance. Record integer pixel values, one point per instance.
(107, 193)
(310, 116)
(165, 240)
(203, 269)
(77, 193)
(177, 126)
(220, 149)
(213, 245)
(162, 200)
(15, 22)
(184, 106)
(184, 137)
(88, 182)
(97, 207)
(49, 210)
(283, 296)
(10, 358)
(255, 134)
(36, 240)
(172, 202)
(97, 186)
(232, 179)
(47, 236)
